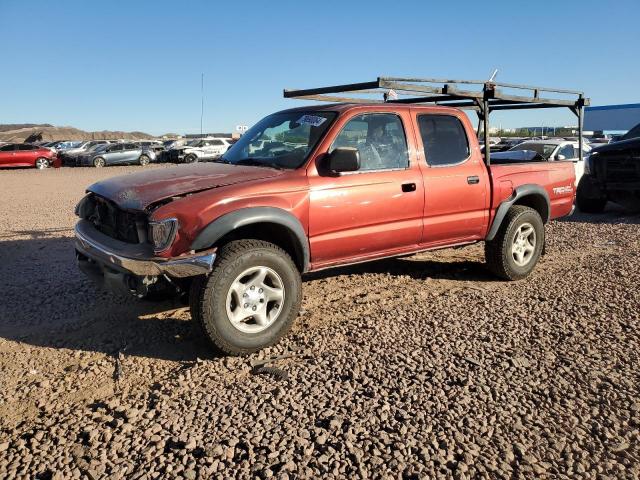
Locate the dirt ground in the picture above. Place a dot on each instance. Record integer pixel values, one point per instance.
(420, 367)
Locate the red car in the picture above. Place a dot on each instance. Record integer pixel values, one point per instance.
(27, 155)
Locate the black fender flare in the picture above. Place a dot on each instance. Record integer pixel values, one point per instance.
(252, 215)
(519, 192)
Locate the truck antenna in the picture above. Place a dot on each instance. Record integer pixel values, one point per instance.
(493, 75)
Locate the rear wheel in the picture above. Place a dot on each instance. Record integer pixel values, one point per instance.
(98, 162)
(144, 160)
(516, 248)
(250, 299)
(41, 163)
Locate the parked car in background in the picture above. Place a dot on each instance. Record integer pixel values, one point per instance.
(612, 174)
(69, 156)
(555, 150)
(154, 145)
(27, 155)
(199, 150)
(117, 154)
(62, 146)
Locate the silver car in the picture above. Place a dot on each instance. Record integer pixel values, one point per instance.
(117, 154)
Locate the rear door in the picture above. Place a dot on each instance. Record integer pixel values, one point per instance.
(376, 209)
(130, 153)
(114, 154)
(456, 181)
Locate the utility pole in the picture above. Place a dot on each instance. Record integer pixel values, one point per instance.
(201, 101)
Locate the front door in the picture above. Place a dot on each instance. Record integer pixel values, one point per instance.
(456, 182)
(375, 209)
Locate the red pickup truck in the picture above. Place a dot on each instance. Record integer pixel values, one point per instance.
(307, 189)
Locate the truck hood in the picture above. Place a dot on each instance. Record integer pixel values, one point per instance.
(137, 191)
(630, 143)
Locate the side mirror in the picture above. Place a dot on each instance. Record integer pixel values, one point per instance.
(343, 159)
(561, 157)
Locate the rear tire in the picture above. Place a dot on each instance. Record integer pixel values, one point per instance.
(98, 162)
(516, 248)
(249, 276)
(586, 201)
(41, 163)
(144, 160)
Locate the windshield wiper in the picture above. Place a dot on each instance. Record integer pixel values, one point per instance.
(257, 163)
(221, 160)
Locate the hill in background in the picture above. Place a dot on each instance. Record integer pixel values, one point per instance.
(20, 132)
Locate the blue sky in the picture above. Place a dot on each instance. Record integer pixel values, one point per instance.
(130, 65)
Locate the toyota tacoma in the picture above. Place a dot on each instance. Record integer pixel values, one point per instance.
(307, 189)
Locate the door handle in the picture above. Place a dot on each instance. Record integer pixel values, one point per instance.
(408, 187)
(472, 180)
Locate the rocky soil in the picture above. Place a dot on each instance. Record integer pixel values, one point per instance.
(423, 367)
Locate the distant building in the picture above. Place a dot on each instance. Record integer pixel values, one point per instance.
(612, 117)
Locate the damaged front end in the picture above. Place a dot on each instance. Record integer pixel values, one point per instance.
(118, 250)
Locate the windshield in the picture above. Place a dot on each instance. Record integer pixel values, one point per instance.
(544, 149)
(281, 140)
(633, 133)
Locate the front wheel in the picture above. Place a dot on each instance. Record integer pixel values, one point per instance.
(516, 248)
(41, 163)
(98, 162)
(589, 198)
(144, 160)
(191, 158)
(251, 298)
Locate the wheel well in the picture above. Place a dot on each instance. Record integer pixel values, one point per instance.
(537, 202)
(269, 232)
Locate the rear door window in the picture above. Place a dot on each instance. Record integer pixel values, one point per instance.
(444, 140)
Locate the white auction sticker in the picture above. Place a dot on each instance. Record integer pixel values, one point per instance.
(313, 120)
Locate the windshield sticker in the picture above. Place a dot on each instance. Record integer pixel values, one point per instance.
(312, 120)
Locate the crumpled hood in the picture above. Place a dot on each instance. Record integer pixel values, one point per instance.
(137, 191)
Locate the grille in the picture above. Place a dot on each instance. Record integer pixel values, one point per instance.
(116, 223)
(619, 167)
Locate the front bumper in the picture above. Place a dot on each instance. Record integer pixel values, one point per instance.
(97, 252)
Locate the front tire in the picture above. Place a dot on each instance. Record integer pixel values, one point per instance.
(251, 298)
(516, 248)
(191, 158)
(144, 160)
(588, 196)
(98, 162)
(41, 163)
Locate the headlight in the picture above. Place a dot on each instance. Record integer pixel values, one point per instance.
(588, 168)
(162, 233)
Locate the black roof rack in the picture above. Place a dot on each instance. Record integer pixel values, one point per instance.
(480, 95)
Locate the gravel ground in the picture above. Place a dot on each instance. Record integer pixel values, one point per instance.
(420, 367)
